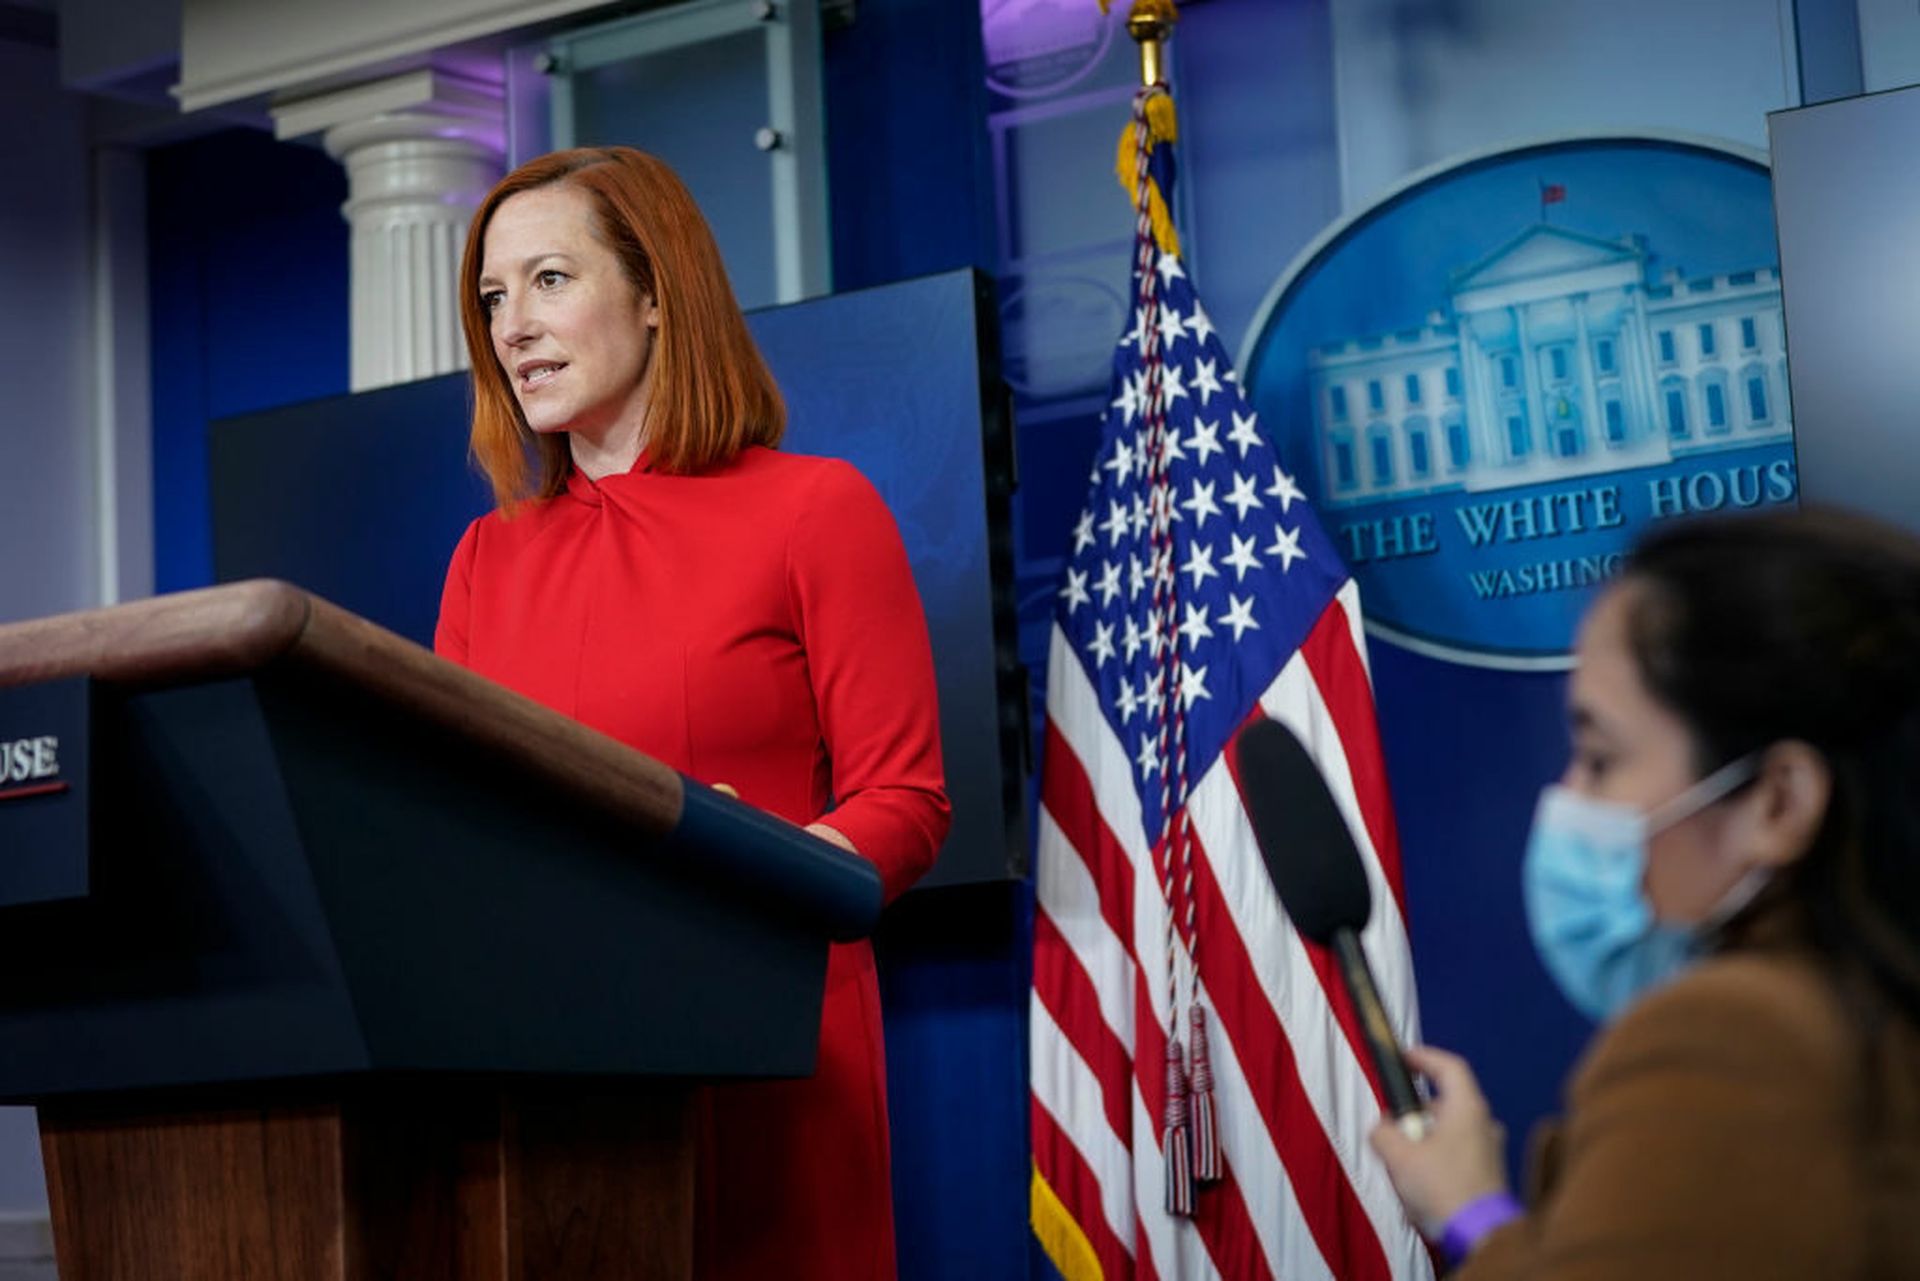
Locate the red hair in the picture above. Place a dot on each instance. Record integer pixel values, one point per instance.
(712, 392)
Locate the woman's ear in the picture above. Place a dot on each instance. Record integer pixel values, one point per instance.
(1785, 805)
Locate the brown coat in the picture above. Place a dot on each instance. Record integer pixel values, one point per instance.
(1728, 1126)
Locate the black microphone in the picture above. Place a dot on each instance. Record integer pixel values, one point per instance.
(1314, 867)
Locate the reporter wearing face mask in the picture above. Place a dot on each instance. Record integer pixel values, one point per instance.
(1728, 877)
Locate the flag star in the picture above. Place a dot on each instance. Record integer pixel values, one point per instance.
(1102, 647)
(1169, 269)
(1133, 334)
(1075, 592)
(1139, 513)
(1148, 758)
(1194, 627)
(1121, 464)
(1136, 579)
(1156, 693)
(1206, 380)
(1205, 441)
(1245, 433)
(1132, 638)
(1193, 685)
(1128, 401)
(1117, 523)
(1171, 330)
(1140, 329)
(1201, 504)
(1286, 545)
(1239, 615)
(1202, 329)
(1241, 558)
(1199, 564)
(1242, 499)
(1171, 388)
(1109, 584)
(1128, 700)
(1083, 532)
(1284, 489)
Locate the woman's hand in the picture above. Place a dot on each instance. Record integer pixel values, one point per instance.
(1459, 1160)
(831, 835)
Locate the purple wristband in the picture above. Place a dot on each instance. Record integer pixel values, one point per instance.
(1474, 1220)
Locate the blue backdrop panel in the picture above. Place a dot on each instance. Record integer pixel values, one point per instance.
(247, 255)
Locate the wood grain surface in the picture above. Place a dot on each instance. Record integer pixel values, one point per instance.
(415, 1182)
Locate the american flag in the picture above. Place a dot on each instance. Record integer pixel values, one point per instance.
(1201, 592)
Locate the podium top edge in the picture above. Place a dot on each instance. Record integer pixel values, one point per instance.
(204, 634)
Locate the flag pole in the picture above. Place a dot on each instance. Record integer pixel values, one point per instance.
(1150, 23)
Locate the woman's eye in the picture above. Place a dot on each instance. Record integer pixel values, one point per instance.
(549, 278)
(490, 300)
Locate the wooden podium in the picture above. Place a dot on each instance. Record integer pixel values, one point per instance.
(344, 963)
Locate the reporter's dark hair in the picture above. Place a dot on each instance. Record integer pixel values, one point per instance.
(1806, 625)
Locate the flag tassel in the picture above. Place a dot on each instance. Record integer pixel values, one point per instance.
(1206, 1131)
(1175, 1139)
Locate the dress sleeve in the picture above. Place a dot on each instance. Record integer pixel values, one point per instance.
(1708, 1136)
(860, 621)
(456, 598)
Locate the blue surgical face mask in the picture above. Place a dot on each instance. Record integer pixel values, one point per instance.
(1583, 881)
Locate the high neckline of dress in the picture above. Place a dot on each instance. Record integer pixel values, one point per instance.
(588, 490)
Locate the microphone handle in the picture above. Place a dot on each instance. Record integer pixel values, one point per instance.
(1395, 1081)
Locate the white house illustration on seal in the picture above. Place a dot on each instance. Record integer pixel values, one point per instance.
(1561, 359)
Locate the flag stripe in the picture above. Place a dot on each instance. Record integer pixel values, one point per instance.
(1068, 799)
(1073, 1000)
(1073, 1182)
(1348, 695)
(1064, 1085)
(1295, 700)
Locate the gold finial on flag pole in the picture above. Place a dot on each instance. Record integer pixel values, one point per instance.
(1150, 23)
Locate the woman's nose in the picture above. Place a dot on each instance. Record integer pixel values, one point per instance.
(513, 322)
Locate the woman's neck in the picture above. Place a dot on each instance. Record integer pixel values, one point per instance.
(611, 452)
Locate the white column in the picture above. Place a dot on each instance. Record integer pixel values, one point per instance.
(421, 151)
(1596, 430)
(1538, 444)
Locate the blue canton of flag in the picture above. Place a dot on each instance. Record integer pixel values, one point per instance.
(1250, 568)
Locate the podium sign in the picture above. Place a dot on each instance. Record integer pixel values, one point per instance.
(43, 792)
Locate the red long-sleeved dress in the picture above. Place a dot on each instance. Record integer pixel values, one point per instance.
(754, 625)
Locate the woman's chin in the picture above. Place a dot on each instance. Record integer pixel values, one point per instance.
(547, 424)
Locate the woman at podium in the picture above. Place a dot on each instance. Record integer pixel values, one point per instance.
(657, 570)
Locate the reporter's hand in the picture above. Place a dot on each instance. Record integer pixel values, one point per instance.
(1460, 1159)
